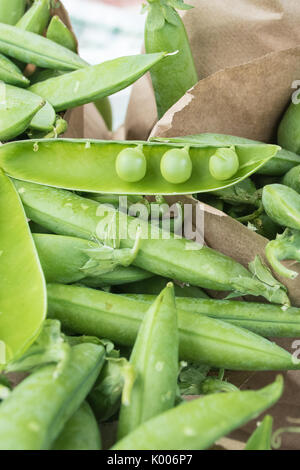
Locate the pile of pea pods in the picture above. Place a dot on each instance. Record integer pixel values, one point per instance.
(108, 312)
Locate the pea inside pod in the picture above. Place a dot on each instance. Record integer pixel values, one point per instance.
(131, 164)
(176, 166)
(224, 164)
(59, 163)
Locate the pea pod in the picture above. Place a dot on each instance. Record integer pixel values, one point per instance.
(66, 213)
(94, 82)
(155, 361)
(165, 31)
(282, 162)
(288, 130)
(17, 109)
(202, 339)
(22, 286)
(81, 432)
(155, 286)
(59, 163)
(292, 179)
(282, 205)
(26, 423)
(64, 259)
(58, 32)
(36, 18)
(199, 423)
(11, 74)
(11, 11)
(34, 49)
(286, 246)
(263, 319)
(261, 437)
(44, 119)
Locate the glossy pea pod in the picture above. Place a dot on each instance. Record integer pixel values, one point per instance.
(262, 436)
(58, 32)
(63, 260)
(198, 424)
(282, 162)
(288, 135)
(65, 213)
(36, 18)
(26, 423)
(38, 50)
(94, 82)
(59, 163)
(22, 287)
(155, 362)
(203, 340)
(19, 107)
(11, 74)
(165, 31)
(263, 319)
(282, 205)
(292, 179)
(81, 432)
(11, 11)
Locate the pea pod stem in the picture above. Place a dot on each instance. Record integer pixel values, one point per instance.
(197, 424)
(202, 339)
(65, 213)
(285, 247)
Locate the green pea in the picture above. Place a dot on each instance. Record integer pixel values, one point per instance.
(176, 166)
(131, 164)
(224, 164)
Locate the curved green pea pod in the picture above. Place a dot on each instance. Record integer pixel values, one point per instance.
(81, 432)
(44, 74)
(165, 31)
(198, 424)
(286, 246)
(292, 179)
(105, 109)
(288, 135)
(282, 204)
(44, 118)
(64, 259)
(11, 74)
(59, 163)
(105, 397)
(282, 162)
(155, 362)
(22, 285)
(11, 10)
(263, 319)
(261, 437)
(155, 286)
(95, 81)
(35, 49)
(58, 32)
(202, 339)
(36, 18)
(26, 423)
(17, 108)
(65, 213)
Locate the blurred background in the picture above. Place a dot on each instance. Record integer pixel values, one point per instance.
(107, 29)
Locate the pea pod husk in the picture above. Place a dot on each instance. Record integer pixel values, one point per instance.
(81, 432)
(22, 286)
(17, 110)
(282, 162)
(154, 359)
(38, 50)
(65, 213)
(282, 205)
(36, 17)
(202, 339)
(288, 130)
(261, 437)
(59, 163)
(11, 74)
(165, 31)
(58, 32)
(95, 81)
(26, 423)
(292, 179)
(263, 319)
(11, 11)
(198, 424)
(63, 260)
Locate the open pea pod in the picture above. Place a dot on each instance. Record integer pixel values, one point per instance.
(17, 108)
(282, 162)
(22, 286)
(94, 82)
(91, 165)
